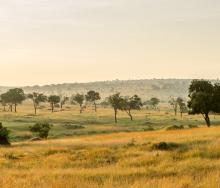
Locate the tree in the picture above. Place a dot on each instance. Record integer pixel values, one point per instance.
(93, 96)
(63, 101)
(132, 103)
(37, 98)
(182, 105)
(4, 135)
(79, 98)
(117, 102)
(105, 103)
(42, 129)
(216, 98)
(14, 97)
(53, 100)
(202, 97)
(154, 102)
(174, 104)
(3, 102)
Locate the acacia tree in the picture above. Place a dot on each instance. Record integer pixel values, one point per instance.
(117, 102)
(182, 106)
(132, 103)
(63, 101)
(93, 96)
(3, 102)
(174, 104)
(79, 98)
(37, 98)
(202, 96)
(53, 100)
(154, 102)
(13, 97)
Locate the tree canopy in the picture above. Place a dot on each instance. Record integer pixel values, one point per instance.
(53, 99)
(93, 96)
(37, 98)
(79, 98)
(13, 96)
(204, 98)
(132, 103)
(117, 102)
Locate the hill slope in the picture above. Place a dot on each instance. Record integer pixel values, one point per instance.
(161, 88)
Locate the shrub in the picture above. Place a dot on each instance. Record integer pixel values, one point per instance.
(164, 146)
(192, 126)
(73, 126)
(42, 129)
(10, 156)
(4, 135)
(175, 127)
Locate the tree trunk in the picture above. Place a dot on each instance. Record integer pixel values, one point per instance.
(35, 108)
(95, 107)
(207, 120)
(10, 108)
(129, 114)
(116, 116)
(52, 107)
(80, 109)
(4, 109)
(15, 108)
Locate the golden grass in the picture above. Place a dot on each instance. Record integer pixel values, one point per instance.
(119, 160)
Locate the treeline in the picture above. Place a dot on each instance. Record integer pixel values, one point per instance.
(13, 97)
(204, 98)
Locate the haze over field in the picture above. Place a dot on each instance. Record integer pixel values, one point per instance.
(58, 41)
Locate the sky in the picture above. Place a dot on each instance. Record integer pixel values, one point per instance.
(66, 41)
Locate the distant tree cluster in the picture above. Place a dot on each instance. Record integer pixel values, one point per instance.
(152, 103)
(178, 103)
(126, 104)
(12, 98)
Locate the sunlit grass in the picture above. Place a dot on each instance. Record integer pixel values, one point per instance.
(101, 153)
(120, 159)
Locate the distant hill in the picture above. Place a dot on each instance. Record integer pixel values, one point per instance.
(161, 88)
(147, 88)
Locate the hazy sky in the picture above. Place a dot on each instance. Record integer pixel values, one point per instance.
(56, 41)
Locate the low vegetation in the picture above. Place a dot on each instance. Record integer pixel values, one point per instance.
(183, 158)
(4, 135)
(41, 129)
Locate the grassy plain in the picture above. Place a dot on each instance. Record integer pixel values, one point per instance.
(103, 154)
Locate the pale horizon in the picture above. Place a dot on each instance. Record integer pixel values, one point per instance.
(54, 41)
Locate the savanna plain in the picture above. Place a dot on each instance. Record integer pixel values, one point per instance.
(90, 150)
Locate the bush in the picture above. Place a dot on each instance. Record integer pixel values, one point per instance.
(42, 129)
(192, 126)
(4, 135)
(175, 127)
(73, 126)
(164, 146)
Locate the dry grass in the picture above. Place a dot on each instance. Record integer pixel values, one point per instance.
(115, 160)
